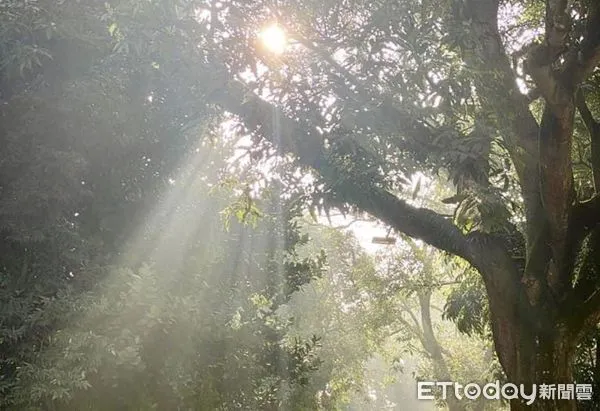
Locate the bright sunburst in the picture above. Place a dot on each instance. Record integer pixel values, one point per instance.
(273, 38)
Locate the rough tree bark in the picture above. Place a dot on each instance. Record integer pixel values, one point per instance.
(536, 340)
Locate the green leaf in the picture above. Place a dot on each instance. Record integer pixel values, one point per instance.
(112, 29)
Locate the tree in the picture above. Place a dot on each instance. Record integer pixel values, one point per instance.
(84, 156)
(192, 325)
(434, 85)
(340, 310)
(420, 274)
(372, 93)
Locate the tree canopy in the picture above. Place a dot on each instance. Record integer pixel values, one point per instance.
(106, 106)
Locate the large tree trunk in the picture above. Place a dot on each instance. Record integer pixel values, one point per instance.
(535, 342)
(543, 357)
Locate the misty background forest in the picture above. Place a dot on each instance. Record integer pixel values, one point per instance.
(297, 204)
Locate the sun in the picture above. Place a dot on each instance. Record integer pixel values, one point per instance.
(273, 38)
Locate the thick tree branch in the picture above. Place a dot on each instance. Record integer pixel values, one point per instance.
(487, 255)
(584, 218)
(548, 83)
(510, 321)
(541, 59)
(583, 60)
(307, 144)
(558, 26)
(557, 85)
(585, 112)
(593, 128)
(556, 131)
(583, 305)
(557, 191)
(498, 92)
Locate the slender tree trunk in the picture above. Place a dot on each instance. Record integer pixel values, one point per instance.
(442, 373)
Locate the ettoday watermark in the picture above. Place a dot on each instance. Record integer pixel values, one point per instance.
(495, 391)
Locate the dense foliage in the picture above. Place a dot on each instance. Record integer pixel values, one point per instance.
(155, 158)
